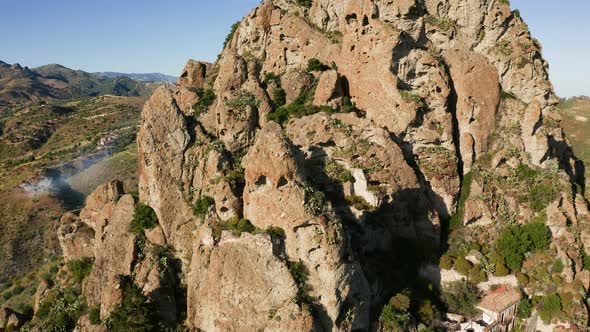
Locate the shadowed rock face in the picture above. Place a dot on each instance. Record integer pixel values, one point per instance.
(346, 195)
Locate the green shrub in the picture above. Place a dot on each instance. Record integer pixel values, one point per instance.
(300, 107)
(557, 266)
(446, 262)
(337, 172)
(239, 226)
(522, 278)
(80, 269)
(413, 97)
(477, 274)
(358, 202)
(585, 261)
(316, 65)
(426, 312)
(271, 77)
(206, 99)
(500, 270)
(349, 107)
(524, 309)
(462, 266)
(516, 13)
(457, 218)
(400, 302)
(541, 195)
(395, 315)
(144, 218)
(275, 232)
(461, 297)
(392, 320)
(94, 315)
(305, 3)
(300, 274)
(60, 310)
(202, 206)
(516, 241)
(549, 307)
(135, 313)
(279, 97)
(242, 100)
(231, 34)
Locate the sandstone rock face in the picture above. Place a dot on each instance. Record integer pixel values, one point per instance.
(478, 97)
(295, 82)
(329, 87)
(194, 74)
(75, 237)
(427, 112)
(114, 254)
(276, 195)
(229, 292)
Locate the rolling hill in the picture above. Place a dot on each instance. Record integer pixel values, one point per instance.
(147, 77)
(20, 84)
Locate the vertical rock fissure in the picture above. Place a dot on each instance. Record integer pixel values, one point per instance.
(452, 109)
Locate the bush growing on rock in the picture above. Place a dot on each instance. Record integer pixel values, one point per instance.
(231, 34)
(516, 241)
(394, 320)
(446, 262)
(143, 218)
(80, 269)
(60, 310)
(462, 266)
(206, 99)
(358, 203)
(549, 307)
(271, 77)
(337, 172)
(275, 232)
(202, 206)
(305, 3)
(238, 226)
(457, 218)
(400, 302)
(135, 313)
(316, 65)
(94, 315)
(301, 275)
(524, 309)
(279, 97)
(242, 100)
(461, 297)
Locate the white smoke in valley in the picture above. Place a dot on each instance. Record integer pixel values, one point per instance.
(42, 187)
(56, 180)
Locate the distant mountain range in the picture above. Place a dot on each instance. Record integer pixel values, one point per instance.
(148, 77)
(54, 81)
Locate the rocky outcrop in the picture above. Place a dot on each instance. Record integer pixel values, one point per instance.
(228, 292)
(401, 117)
(477, 90)
(115, 251)
(10, 319)
(118, 255)
(75, 237)
(276, 195)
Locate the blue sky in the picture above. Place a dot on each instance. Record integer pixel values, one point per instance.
(160, 35)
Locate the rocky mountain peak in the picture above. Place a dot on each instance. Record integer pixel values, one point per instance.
(330, 155)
